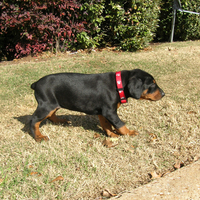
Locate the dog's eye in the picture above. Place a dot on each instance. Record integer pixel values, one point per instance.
(152, 88)
(153, 85)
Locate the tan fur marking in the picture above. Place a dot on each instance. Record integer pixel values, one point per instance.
(38, 136)
(51, 113)
(125, 131)
(105, 124)
(54, 118)
(151, 96)
(118, 105)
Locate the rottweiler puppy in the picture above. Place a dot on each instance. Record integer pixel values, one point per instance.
(93, 94)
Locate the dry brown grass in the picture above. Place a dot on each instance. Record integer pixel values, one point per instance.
(169, 129)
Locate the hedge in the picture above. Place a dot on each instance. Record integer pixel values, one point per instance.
(187, 26)
(30, 26)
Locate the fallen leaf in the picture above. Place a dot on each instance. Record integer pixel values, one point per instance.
(108, 143)
(130, 149)
(154, 175)
(192, 112)
(30, 166)
(148, 49)
(34, 173)
(78, 169)
(96, 135)
(1, 180)
(153, 137)
(197, 157)
(178, 165)
(18, 168)
(69, 122)
(107, 193)
(166, 173)
(59, 178)
(90, 144)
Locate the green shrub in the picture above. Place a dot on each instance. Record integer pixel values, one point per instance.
(92, 12)
(31, 26)
(130, 24)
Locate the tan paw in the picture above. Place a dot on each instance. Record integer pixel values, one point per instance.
(111, 134)
(41, 138)
(133, 133)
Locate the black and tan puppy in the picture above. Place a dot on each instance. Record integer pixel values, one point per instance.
(94, 94)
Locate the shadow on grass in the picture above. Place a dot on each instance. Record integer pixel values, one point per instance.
(88, 122)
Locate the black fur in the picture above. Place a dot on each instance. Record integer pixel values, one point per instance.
(94, 94)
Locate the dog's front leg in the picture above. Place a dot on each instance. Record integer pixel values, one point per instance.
(106, 125)
(120, 127)
(125, 131)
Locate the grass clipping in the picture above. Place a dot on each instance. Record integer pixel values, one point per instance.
(76, 162)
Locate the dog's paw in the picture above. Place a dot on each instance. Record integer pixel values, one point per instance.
(125, 131)
(41, 138)
(111, 134)
(133, 133)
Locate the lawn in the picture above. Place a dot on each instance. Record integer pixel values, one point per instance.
(75, 154)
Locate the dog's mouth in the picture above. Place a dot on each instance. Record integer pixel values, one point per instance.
(155, 96)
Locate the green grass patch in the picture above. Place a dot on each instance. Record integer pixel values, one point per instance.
(169, 129)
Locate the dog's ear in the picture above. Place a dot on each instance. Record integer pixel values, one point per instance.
(135, 87)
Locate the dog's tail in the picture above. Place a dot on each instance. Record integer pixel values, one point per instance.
(33, 85)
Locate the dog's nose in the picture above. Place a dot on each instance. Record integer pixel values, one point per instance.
(162, 93)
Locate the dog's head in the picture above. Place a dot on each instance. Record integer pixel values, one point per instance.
(142, 85)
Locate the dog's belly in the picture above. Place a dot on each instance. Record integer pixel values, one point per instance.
(88, 107)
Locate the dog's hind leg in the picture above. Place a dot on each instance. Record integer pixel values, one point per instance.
(57, 120)
(38, 116)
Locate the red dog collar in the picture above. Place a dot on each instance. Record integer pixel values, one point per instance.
(120, 87)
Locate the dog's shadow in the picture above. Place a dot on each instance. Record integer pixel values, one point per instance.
(88, 122)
